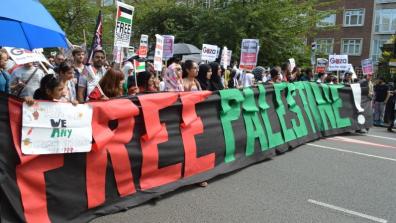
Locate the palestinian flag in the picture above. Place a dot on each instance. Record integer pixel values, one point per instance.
(139, 66)
(124, 15)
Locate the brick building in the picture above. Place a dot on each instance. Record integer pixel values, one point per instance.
(359, 28)
(348, 31)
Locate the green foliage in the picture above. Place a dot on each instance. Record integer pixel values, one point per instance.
(282, 26)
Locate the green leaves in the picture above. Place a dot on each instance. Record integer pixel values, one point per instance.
(282, 26)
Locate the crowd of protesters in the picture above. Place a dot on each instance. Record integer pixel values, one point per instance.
(72, 80)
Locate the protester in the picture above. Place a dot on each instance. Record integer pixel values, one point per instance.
(91, 75)
(275, 76)
(25, 80)
(348, 78)
(78, 63)
(204, 76)
(110, 86)
(215, 78)
(65, 74)
(295, 74)
(233, 82)
(59, 58)
(173, 78)
(308, 75)
(190, 72)
(146, 82)
(390, 111)
(285, 71)
(246, 79)
(51, 89)
(321, 77)
(259, 74)
(380, 95)
(367, 82)
(4, 75)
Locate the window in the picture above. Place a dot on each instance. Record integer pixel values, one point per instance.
(378, 42)
(327, 21)
(385, 20)
(324, 46)
(351, 47)
(354, 17)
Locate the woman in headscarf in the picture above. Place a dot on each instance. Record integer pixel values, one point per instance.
(204, 76)
(173, 78)
(215, 79)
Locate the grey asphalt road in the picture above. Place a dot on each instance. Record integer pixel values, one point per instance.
(349, 178)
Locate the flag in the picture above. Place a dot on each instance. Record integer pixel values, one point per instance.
(97, 38)
(139, 66)
(124, 15)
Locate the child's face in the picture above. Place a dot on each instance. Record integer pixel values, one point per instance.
(57, 93)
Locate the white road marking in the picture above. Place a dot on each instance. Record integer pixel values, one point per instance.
(380, 137)
(359, 141)
(353, 152)
(369, 217)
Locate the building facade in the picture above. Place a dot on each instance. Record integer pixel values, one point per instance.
(347, 31)
(384, 26)
(359, 28)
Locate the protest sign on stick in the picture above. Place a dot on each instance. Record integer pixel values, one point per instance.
(169, 41)
(159, 50)
(367, 66)
(143, 46)
(209, 52)
(249, 53)
(123, 29)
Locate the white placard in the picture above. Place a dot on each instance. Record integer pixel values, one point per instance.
(52, 128)
(22, 56)
(292, 64)
(338, 62)
(225, 58)
(159, 50)
(209, 52)
(123, 28)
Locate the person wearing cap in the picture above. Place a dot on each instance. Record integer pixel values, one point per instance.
(348, 78)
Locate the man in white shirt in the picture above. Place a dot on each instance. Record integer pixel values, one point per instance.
(91, 75)
(22, 74)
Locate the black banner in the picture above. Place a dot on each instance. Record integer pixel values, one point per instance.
(152, 144)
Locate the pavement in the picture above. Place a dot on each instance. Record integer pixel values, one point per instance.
(347, 178)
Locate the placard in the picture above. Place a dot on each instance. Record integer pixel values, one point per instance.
(338, 62)
(321, 64)
(52, 128)
(22, 56)
(159, 50)
(367, 66)
(249, 53)
(209, 52)
(123, 29)
(143, 46)
(169, 41)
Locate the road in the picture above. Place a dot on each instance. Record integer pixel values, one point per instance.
(349, 178)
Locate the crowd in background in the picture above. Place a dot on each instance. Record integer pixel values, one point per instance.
(74, 81)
